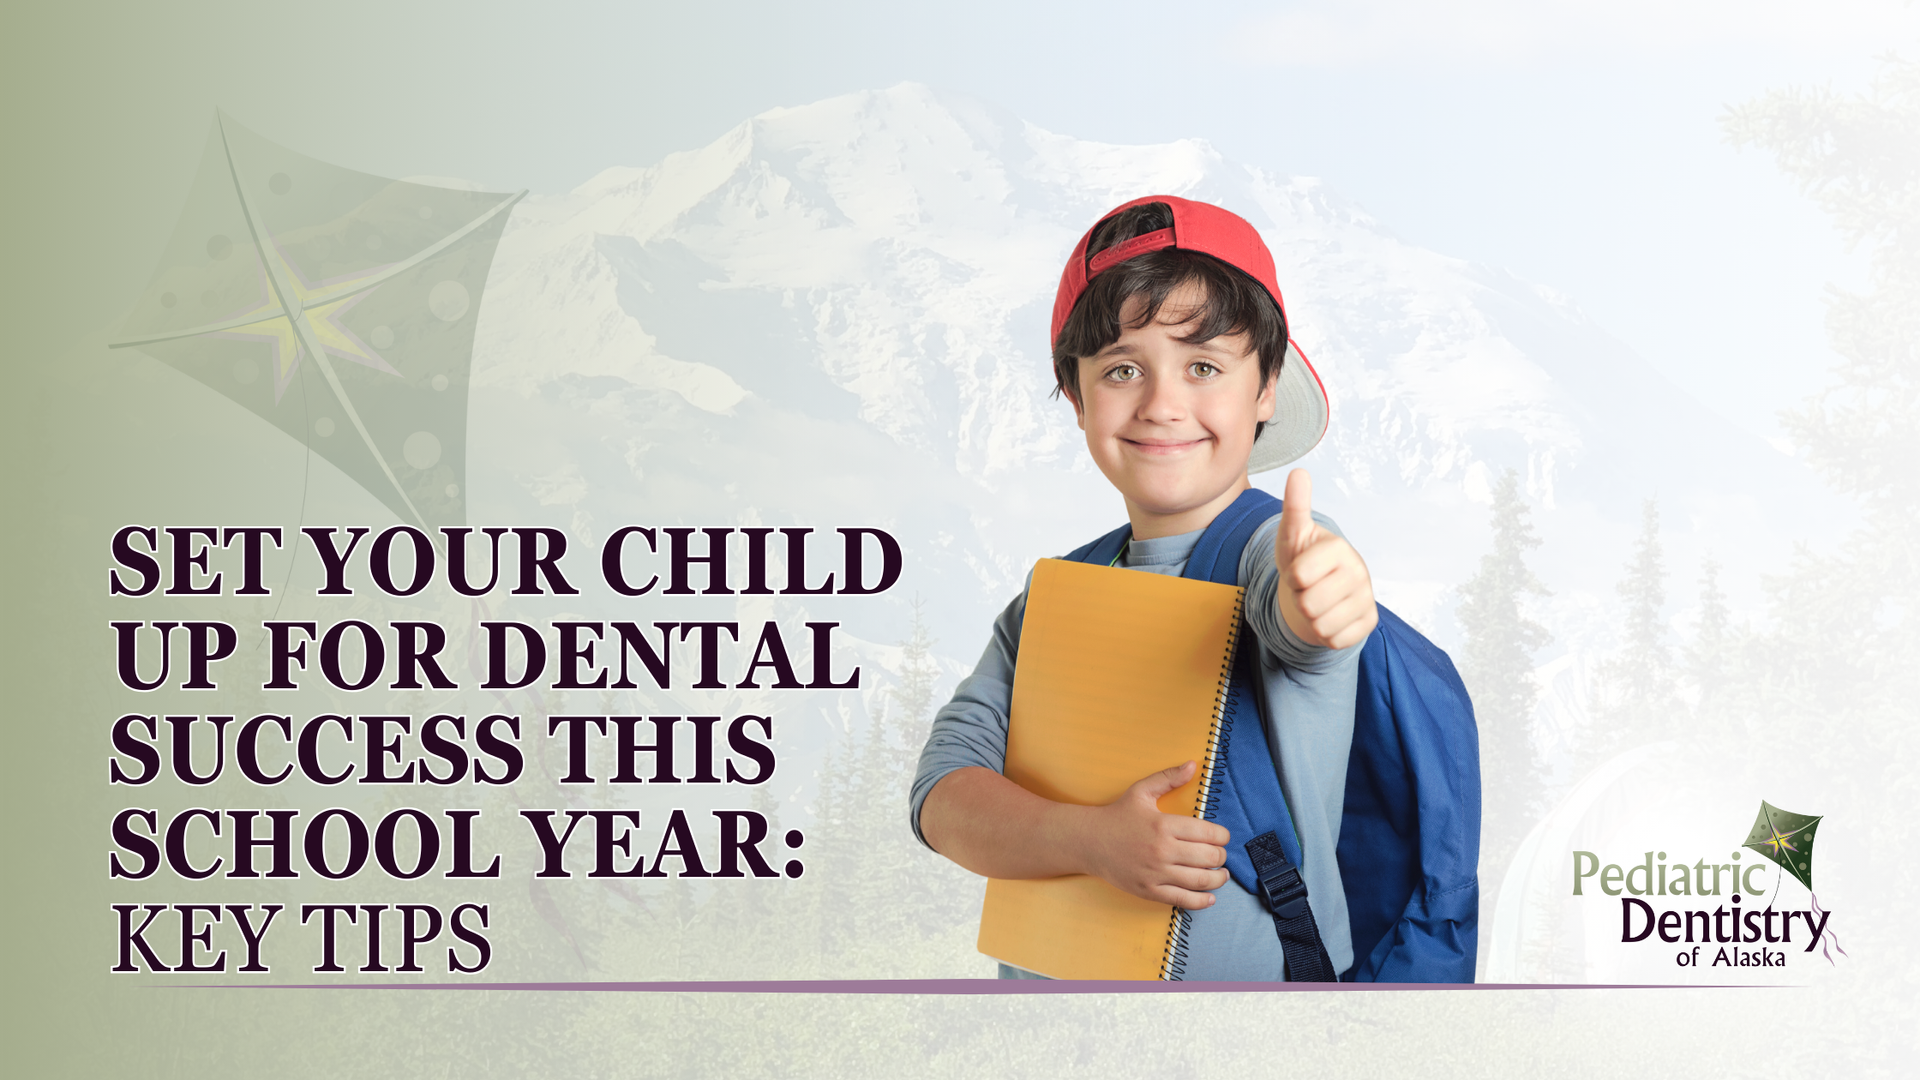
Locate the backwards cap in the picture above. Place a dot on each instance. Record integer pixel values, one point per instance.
(1300, 411)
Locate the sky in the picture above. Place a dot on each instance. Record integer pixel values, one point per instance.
(1576, 144)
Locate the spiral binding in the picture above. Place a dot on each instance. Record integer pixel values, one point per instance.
(1173, 964)
(1206, 800)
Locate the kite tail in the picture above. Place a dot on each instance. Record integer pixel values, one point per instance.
(1826, 934)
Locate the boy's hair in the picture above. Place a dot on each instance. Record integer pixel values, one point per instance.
(1233, 302)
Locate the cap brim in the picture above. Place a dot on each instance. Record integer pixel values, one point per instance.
(1300, 415)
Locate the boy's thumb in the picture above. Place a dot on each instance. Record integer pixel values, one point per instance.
(1296, 511)
(1158, 784)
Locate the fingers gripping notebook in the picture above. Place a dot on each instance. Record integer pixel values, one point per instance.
(1120, 674)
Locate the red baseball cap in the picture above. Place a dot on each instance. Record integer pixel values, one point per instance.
(1300, 412)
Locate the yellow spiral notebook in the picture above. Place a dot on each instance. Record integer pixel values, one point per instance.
(1120, 674)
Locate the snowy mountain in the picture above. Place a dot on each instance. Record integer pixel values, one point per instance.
(836, 314)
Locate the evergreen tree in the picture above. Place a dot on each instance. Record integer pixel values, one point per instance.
(1706, 657)
(1635, 701)
(1836, 671)
(918, 670)
(1497, 666)
(1834, 677)
(883, 893)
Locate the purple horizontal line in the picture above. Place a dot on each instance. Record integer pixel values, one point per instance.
(946, 986)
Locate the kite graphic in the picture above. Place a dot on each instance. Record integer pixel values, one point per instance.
(335, 305)
(1787, 839)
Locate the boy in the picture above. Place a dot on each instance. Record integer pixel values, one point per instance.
(1170, 342)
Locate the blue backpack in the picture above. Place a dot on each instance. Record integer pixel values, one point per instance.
(1410, 828)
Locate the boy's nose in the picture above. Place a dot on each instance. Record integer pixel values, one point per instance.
(1165, 401)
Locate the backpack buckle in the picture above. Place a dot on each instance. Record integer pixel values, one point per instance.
(1280, 881)
(1286, 894)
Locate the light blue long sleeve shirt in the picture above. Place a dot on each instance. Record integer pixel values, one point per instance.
(1307, 696)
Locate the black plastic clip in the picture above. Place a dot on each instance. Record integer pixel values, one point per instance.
(1286, 894)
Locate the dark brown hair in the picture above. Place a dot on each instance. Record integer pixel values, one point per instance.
(1233, 302)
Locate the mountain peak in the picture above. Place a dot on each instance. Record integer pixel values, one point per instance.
(881, 265)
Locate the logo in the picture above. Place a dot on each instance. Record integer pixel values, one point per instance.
(1665, 903)
(1787, 839)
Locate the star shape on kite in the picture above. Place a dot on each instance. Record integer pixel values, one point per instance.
(1786, 839)
(301, 320)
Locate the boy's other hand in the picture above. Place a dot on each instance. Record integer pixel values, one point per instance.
(1166, 858)
(1326, 594)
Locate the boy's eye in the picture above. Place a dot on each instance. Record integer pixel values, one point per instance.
(1202, 369)
(1123, 373)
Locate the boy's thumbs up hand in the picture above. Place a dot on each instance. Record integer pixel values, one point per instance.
(1326, 594)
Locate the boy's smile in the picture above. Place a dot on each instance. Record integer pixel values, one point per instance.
(1171, 422)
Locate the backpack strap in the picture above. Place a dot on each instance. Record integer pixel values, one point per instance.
(1286, 896)
(1264, 853)
(1217, 556)
(1104, 551)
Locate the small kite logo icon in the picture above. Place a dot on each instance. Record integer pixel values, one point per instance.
(1786, 839)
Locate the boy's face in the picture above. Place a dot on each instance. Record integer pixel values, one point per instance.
(1171, 422)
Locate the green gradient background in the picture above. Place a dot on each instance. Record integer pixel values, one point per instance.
(105, 113)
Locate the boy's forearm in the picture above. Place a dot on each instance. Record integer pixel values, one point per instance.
(996, 828)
